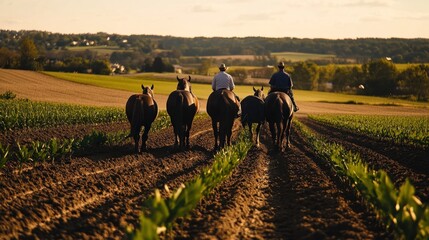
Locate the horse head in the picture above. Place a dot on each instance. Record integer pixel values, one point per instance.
(148, 90)
(184, 84)
(259, 93)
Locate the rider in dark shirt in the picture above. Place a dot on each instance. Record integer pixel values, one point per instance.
(282, 82)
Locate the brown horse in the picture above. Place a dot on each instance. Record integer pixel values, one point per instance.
(182, 105)
(279, 114)
(222, 107)
(141, 110)
(252, 111)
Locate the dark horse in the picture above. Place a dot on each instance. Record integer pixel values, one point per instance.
(222, 107)
(141, 110)
(182, 105)
(279, 114)
(252, 111)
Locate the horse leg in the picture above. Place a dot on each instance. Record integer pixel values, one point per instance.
(250, 130)
(145, 137)
(136, 137)
(289, 124)
(284, 127)
(273, 132)
(182, 136)
(188, 129)
(258, 132)
(136, 142)
(176, 136)
(228, 131)
(279, 134)
(222, 134)
(216, 134)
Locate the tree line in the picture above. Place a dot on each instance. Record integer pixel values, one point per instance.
(359, 50)
(377, 75)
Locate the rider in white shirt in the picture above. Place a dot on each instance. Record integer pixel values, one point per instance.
(223, 80)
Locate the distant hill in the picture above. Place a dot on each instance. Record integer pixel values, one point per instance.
(400, 50)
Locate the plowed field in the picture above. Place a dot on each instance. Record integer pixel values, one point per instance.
(291, 195)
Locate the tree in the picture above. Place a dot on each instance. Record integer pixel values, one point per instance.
(205, 66)
(414, 82)
(158, 65)
(341, 80)
(101, 67)
(380, 77)
(29, 54)
(8, 58)
(305, 76)
(326, 74)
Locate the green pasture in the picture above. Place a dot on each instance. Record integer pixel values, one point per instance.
(102, 50)
(165, 86)
(299, 56)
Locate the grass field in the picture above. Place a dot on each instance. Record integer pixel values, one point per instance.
(167, 85)
(102, 50)
(298, 56)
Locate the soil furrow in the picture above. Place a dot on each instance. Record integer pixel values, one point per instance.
(67, 202)
(281, 196)
(397, 162)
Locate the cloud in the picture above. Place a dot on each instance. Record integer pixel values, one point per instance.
(368, 3)
(255, 17)
(347, 3)
(415, 18)
(202, 9)
(371, 19)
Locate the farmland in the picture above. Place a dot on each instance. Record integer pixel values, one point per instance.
(99, 192)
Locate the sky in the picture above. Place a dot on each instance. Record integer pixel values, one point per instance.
(332, 19)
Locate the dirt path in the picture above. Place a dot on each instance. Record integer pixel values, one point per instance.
(282, 196)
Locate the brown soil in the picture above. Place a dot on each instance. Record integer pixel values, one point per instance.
(291, 195)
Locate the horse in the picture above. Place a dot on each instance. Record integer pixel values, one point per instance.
(222, 107)
(141, 110)
(279, 114)
(182, 105)
(252, 111)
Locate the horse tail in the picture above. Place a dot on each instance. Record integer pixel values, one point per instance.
(180, 99)
(278, 108)
(137, 118)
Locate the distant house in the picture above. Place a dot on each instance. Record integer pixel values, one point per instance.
(117, 68)
(177, 68)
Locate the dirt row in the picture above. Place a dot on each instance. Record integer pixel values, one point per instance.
(274, 195)
(96, 196)
(290, 195)
(400, 162)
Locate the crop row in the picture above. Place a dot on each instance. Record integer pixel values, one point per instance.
(16, 114)
(412, 130)
(55, 149)
(162, 213)
(399, 209)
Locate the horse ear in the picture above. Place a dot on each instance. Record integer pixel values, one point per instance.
(151, 87)
(142, 86)
(189, 76)
(254, 89)
(262, 88)
(178, 79)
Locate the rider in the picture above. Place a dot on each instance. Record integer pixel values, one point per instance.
(223, 80)
(282, 82)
